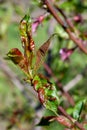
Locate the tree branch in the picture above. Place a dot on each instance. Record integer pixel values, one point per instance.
(65, 26)
(76, 123)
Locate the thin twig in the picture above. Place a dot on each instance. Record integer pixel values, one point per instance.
(79, 125)
(65, 26)
(69, 23)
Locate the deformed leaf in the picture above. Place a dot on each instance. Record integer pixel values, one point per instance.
(64, 121)
(37, 84)
(47, 93)
(26, 36)
(45, 121)
(17, 58)
(25, 26)
(52, 100)
(15, 55)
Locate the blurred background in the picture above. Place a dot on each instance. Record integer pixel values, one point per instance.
(19, 105)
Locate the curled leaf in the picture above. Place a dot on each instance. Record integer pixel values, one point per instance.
(17, 58)
(27, 41)
(26, 35)
(64, 121)
(41, 95)
(45, 121)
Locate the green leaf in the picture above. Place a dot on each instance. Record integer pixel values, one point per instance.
(78, 109)
(47, 93)
(25, 26)
(52, 100)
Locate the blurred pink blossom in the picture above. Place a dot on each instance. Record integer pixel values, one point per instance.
(65, 53)
(37, 22)
(78, 18)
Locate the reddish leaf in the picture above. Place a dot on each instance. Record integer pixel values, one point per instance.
(41, 53)
(17, 58)
(45, 121)
(47, 93)
(41, 95)
(64, 121)
(26, 36)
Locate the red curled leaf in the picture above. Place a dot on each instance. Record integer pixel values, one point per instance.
(41, 95)
(17, 58)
